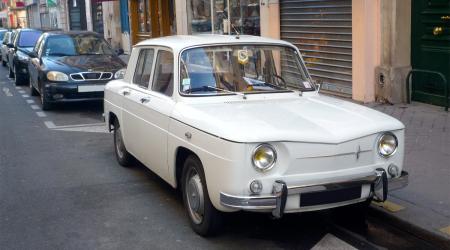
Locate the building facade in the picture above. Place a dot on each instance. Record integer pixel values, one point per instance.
(361, 49)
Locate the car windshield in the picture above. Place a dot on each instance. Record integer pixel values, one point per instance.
(246, 69)
(29, 38)
(75, 45)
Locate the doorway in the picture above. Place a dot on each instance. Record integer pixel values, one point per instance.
(430, 49)
(152, 18)
(77, 15)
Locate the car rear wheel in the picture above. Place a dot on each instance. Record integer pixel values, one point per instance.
(123, 157)
(11, 73)
(20, 79)
(204, 218)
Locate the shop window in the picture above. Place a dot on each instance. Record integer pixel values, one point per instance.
(224, 16)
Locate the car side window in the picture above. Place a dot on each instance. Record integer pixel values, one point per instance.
(163, 76)
(38, 44)
(144, 68)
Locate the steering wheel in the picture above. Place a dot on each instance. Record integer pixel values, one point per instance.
(282, 80)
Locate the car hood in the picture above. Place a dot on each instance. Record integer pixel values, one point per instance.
(316, 118)
(98, 63)
(25, 49)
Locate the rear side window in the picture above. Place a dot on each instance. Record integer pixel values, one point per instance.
(163, 79)
(28, 38)
(144, 68)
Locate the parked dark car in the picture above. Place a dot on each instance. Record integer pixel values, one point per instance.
(23, 43)
(72, 66)
(4, 47)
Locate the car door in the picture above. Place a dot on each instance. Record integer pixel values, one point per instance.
(35, 63)
(145, 115)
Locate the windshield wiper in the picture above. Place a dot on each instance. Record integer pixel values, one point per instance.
(228, 91)
(59, 54)
(207, 87)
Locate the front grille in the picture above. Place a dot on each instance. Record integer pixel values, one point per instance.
(330, 196)
(91, 76)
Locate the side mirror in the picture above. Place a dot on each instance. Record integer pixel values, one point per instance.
(120, 51)
(10, 45)
(33, 54)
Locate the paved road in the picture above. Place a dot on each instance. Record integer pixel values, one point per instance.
(61, 188)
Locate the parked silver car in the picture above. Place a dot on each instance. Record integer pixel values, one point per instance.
(4, 46)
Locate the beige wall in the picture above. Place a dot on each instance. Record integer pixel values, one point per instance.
(366, 48)
(270, 18)
(395, 50)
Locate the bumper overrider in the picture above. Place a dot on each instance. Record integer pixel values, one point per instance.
(380, 185)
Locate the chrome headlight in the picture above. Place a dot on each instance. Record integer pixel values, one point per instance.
(264, 157)
(387, 144)
(57, 76)
(120, 74)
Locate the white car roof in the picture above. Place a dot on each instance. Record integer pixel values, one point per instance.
(180, 42)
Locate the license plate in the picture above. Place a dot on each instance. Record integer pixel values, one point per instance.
(91, 88)
(330, 196)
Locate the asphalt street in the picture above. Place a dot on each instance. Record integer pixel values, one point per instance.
(61, 188)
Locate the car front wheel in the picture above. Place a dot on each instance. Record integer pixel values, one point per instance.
(33, 91)
(123, 157)
(11, 73)
(46, 105)
(204, 218)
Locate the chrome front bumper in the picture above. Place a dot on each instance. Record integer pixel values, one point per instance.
(380, 185)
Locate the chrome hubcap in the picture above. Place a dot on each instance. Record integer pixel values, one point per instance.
(194, 195)
(119, 142)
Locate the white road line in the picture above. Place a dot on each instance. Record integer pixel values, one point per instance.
(7, 91)
(25, 96)
(52, 125)
(330, 241)
(30, 101)
(41, 114)
(21, 91)
(88, 128)
(35, 107)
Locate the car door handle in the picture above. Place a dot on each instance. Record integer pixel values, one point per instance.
(125, 92)
(145, 100)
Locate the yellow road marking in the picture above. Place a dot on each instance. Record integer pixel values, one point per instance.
(445, 230)
(390, 206)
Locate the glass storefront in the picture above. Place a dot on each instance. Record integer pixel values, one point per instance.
(224, 16)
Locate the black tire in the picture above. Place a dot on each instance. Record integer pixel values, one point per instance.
(3, 63)
(33, 91)
(11, 73)
(20, 79)
(206, 220)
(46, 105)
(123, 157)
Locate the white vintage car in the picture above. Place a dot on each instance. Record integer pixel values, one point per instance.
(237, 124)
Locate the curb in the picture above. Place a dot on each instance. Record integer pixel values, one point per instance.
(435, 239)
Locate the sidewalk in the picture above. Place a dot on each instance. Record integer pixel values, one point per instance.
(425, 202)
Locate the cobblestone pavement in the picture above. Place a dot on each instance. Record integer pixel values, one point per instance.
(426, 200)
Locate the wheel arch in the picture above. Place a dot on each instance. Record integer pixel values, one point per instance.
(182, 153)
(111, 119)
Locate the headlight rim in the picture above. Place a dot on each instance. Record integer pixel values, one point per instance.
(123, 70)
(275, 157)
(57, 72)
(379, 141)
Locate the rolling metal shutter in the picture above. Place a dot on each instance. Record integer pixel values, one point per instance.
(322, 30)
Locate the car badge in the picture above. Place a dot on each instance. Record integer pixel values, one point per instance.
(358, 152)
(90, 70)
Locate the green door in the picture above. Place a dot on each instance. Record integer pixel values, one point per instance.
(430, 49)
